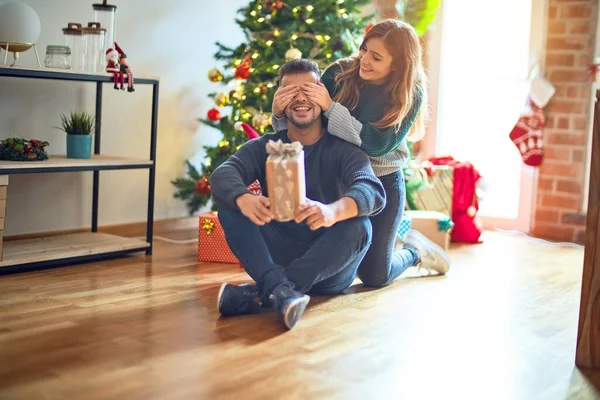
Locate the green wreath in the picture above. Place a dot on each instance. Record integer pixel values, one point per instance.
(18, 149)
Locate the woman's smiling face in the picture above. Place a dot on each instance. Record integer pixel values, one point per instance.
(375, 61)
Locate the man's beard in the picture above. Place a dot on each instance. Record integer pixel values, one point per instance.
(301, 125)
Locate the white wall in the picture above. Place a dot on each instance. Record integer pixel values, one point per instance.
(172, 40)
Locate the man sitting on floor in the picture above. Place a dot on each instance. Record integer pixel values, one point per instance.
(320, 251)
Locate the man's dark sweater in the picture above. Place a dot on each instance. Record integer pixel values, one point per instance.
(334, 169)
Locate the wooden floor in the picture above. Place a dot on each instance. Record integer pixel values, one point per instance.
(501, 325)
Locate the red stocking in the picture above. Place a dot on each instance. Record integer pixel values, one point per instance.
(527, 135)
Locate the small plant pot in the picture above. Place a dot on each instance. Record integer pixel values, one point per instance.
(79, 146)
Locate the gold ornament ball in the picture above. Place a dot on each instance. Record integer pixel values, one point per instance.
(222, 99)
(215, 75)
(237, 93)
(260, 120)
(293, 54)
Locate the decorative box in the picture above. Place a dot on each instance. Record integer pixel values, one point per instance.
(405, 225)
(436, 226)
(212, 245)
(436, 192)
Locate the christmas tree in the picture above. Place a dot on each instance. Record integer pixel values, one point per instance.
(276, 32)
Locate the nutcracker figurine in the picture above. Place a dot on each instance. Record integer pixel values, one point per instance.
(116, 62)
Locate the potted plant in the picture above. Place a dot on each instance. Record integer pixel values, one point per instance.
(79, 127)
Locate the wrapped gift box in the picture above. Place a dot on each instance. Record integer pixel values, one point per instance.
(436, 192)
(285, 179)
(436, 226)
(212, 245)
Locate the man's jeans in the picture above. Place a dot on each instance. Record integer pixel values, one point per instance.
(285, 253)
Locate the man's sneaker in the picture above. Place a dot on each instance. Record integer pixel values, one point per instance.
(433, 257)
(290, 305)
(238, 300)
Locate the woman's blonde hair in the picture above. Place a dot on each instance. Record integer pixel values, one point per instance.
(403, 44)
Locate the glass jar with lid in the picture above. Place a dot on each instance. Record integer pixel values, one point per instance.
(58, 57)
(106, 15)
(73, 39)
(93, 43)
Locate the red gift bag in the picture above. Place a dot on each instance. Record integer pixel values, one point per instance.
(467, 224)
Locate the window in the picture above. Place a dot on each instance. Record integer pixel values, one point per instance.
(485, 54)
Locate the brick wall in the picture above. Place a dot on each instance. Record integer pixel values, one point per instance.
(570, 45)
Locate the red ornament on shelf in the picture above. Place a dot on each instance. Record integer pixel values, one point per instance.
(214, 114)
(202, 186)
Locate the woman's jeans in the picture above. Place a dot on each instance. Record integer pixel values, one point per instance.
(381, 264)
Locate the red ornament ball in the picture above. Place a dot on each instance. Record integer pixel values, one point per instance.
(214, 114)
(202, 186)
(242, 71)
(279, 5)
